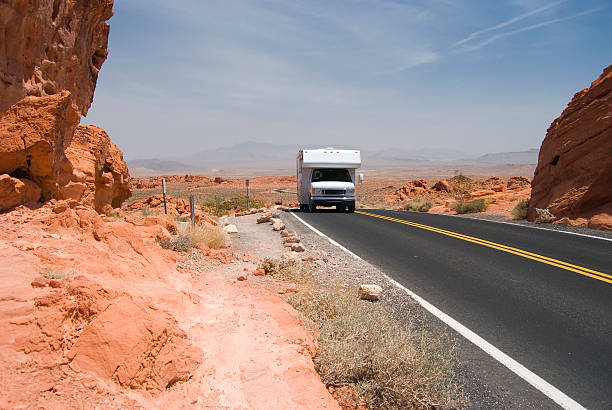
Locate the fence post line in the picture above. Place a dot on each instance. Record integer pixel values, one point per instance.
(192, 209)
(164, 192)
(246, 181)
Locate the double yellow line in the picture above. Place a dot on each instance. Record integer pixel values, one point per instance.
(529, 255)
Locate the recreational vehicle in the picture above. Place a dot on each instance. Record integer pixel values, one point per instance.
(326, 177)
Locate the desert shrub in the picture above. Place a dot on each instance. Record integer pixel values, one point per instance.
(469, 207)
(220, 206)
(146, 211)
(51, 274)
(287, 269)
(460, 183)
(418, 205)
(116, 215)
(520, 210)
(390, 365)
(193, 237)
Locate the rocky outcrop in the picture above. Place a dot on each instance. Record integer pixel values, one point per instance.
(51, 45)
(50, 55)
(99, 177)
(33, 136)
(574, 172)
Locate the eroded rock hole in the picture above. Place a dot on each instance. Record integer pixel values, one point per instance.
(555, 160)
(56, 5)
(21, 173)
(98, 58)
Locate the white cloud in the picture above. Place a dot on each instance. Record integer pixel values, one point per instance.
(506, 23)
(499, 36)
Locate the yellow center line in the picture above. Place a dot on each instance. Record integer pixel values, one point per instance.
(525, 254)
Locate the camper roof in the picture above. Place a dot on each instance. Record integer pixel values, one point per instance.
(331, 158)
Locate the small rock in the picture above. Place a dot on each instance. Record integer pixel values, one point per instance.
(320, 262)
(39, 282)
(263, 218)
(242, 278)
(290, 255)
(291, 289)
(298, 247)
(259, 272)
(60, 207)
(231, 228)
(278, 226)
(370, 292)
(291, 239)
(53, 283)
(286, 233)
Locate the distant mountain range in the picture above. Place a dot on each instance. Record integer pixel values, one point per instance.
(263, 158)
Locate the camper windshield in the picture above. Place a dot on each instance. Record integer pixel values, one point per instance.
(331, 174)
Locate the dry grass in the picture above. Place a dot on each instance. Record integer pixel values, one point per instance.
(520, 210)
(390, 365)
(210, 236)
(469, 207)
(418, 205)
(288, 270)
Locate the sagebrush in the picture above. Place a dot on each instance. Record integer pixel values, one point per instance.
(287, 269)
(220, 206)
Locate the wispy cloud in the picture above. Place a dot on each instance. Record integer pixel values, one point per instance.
(506, 23)
(499, 36)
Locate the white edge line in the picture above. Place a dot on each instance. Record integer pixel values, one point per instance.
(536, 381)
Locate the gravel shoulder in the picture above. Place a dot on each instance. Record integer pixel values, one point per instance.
(486, 383)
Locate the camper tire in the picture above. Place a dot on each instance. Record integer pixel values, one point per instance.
(351, 208)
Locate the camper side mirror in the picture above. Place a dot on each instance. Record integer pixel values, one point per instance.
(360, 178)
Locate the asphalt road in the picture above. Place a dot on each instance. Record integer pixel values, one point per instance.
(554, 316)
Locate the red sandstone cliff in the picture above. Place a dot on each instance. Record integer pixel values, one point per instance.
(573, 177)
(50, 57)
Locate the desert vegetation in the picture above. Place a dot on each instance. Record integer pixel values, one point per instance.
(418, 205)
(463, 206)
(194, 237)
(520, 210)
(218, 205)
(389, 364)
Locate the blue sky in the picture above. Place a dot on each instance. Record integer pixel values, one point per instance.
(475, 75)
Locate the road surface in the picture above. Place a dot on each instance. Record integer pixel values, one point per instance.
(542, 297)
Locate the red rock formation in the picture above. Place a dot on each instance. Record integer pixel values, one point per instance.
(574, 172)
(50, 45)
(33, 136)
(100, 177)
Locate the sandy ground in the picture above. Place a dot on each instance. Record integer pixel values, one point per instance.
(94, 311)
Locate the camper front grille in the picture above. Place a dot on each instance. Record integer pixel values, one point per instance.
(334, 192)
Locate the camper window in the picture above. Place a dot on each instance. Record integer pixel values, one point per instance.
(331, 174)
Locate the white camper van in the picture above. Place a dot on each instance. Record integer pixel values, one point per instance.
(326, 177)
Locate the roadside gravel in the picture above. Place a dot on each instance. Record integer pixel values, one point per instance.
(337, 267)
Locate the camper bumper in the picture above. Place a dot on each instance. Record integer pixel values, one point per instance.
(332, 200)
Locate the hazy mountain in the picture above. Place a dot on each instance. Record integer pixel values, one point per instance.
(522, 157)
(276, 158)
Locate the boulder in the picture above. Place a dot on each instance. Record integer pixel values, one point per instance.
(298, 247)
(33, 136)
(278, 226)
(574, 172)
(370, 292)
(602, 221)
(98, 170)
(231, 228)
(291, 239)
(518, 182)
(442, 186)
(15, 191)
(286, 233)
(52, 46)
(263, 218)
